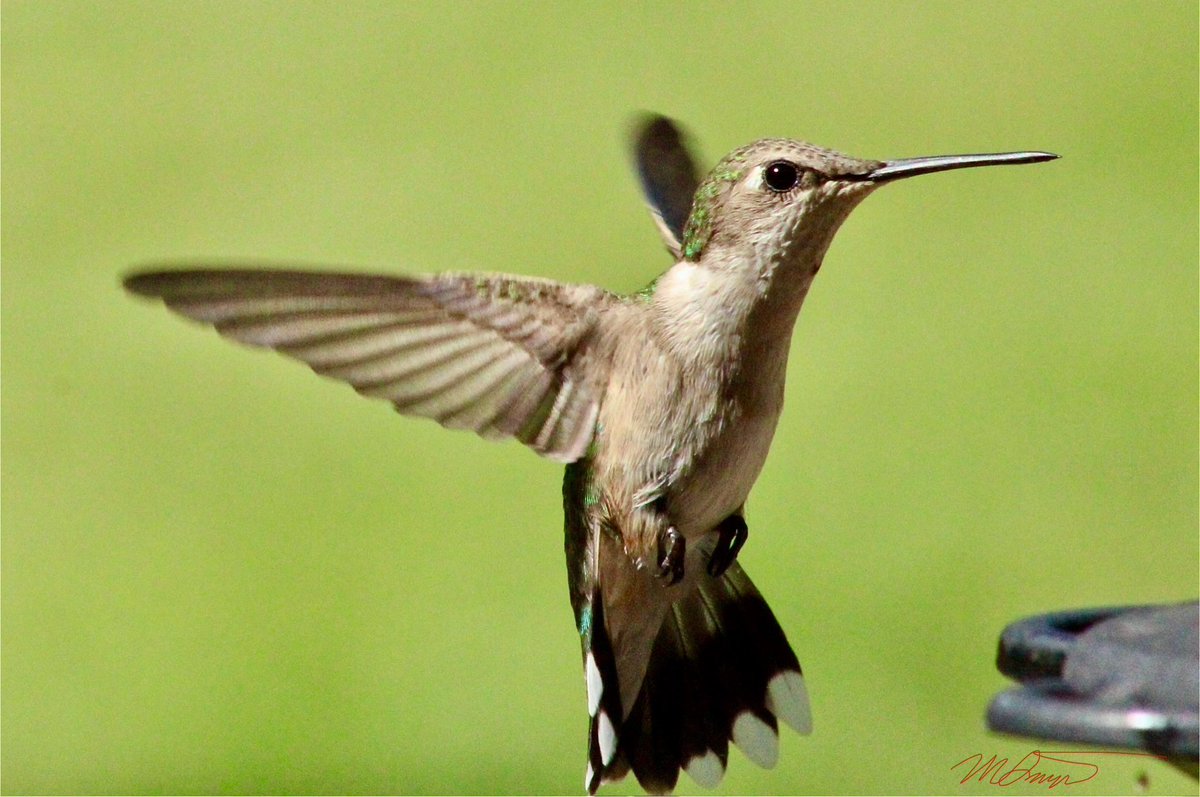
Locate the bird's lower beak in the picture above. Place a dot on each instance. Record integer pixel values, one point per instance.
(911, 167)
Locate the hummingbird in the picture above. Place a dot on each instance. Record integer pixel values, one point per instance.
(662, 405)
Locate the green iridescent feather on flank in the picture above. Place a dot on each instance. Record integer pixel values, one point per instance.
(699, 226)
(646, 293)
(580, 497)
(591, 490)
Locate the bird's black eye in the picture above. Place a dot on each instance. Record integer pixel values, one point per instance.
(781, 176)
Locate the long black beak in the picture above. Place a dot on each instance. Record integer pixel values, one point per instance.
(911, 167)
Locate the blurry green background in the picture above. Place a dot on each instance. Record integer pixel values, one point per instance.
(222, 574)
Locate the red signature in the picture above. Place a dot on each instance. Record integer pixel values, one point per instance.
(1049, 768)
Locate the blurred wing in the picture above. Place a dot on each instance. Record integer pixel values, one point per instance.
(488, 353)
(668, 174)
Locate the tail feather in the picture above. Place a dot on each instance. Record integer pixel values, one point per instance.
(702, 729)
(605, 764)
(721, 670)
(742, 645)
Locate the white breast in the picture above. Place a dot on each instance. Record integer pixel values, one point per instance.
(725, 471)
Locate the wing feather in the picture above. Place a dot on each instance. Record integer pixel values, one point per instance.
(494, 354)
(668, 173)
(357, 346)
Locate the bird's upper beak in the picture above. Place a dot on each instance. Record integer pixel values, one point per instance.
(911, 167)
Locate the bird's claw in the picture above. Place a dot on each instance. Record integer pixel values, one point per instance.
(732, 534)
(671, 549)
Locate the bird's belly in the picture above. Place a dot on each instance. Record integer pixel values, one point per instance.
(717, 485)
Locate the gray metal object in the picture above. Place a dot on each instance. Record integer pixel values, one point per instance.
(1115, 677)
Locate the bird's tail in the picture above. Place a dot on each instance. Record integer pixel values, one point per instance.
(720, 669)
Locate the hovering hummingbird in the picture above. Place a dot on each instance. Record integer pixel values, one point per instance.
(662, 404)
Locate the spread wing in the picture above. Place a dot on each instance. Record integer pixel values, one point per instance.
(493, 354)
(668, 173)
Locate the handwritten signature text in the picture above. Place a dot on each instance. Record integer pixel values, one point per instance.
(1037, 768)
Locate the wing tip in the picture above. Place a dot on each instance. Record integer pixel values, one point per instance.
(142, 283)
(157, 279)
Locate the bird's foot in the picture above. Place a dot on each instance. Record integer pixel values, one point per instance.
(671, 550)
(732, 534)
